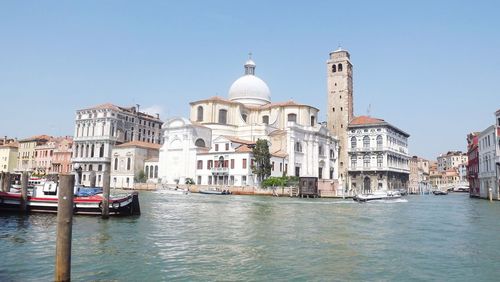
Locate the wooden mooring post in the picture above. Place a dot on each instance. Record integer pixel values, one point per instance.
(24, 192)
(64, 227)
(92, 179)
(5, 182)
(105, 194)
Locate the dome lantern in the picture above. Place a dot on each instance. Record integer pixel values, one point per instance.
(250, 89)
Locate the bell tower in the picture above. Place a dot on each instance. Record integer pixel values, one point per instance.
(340, 109)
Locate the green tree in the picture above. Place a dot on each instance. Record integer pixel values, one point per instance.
(262, 167)
(140, 177)
(274, 182)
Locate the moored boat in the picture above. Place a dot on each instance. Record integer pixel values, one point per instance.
(214, 191)
(439, 192)
(174, 191)
(377, 195)
(44, 198)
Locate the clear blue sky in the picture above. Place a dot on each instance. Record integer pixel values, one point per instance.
(431, 68)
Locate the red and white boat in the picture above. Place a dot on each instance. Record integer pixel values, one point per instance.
(44, 198)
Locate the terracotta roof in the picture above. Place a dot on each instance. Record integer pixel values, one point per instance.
(263, 107)
(152, 160)
(280, 154)
(361, 120)
(140, 144)
(10, 145)
(244, 149)
(215, 99)
(240, 141)
(36, 138)
(282, 104)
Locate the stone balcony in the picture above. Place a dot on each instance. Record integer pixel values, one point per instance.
(220, 170)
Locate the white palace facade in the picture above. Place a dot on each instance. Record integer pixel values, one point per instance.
(214, 146)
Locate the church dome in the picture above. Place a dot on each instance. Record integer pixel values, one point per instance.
(249, 89)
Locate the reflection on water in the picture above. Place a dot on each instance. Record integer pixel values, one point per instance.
(204, 237)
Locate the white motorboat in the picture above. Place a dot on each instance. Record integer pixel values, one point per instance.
(377, 195)
(174, 191)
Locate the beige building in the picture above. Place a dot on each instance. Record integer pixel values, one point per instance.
(452, 159)
(8, 157)
(419, 181)
(27, 152)
(128, 160)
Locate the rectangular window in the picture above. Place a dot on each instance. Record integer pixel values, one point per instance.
(272, 168)
(227, 146)
(209, 180)
(251, 163)
(244, 163)
(281, 166)
(216, 147)
(210, 164)
(244, 180)
(200, 165)
(199, 180)
(232, 164)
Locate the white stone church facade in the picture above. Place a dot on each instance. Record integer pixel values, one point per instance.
(213, 146)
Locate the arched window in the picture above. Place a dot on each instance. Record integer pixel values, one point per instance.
(366, 142)
(353, 142)
(265, 119)
(156, 171)
(334, 68)
(116, 163)
(92, 151)
(128, 163)
(313, 120)
(366, 161)
(147, 171)
(379, 141)
(380, 160)
(244, 117)
(292, 117)
(199, 114)
(221, 162)
(101, 151)
(151, 172)
(354, 161)
(340, 67)
(87, 151)
(199, 143)
(76, 151)
(223, 116)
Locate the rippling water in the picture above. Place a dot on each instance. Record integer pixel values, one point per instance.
(234, 238)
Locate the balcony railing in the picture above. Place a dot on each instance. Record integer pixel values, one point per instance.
(220, 170)
(378, 148)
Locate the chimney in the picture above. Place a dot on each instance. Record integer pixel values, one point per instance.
(157, 115)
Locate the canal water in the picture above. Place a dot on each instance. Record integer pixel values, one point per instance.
(243, 238)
